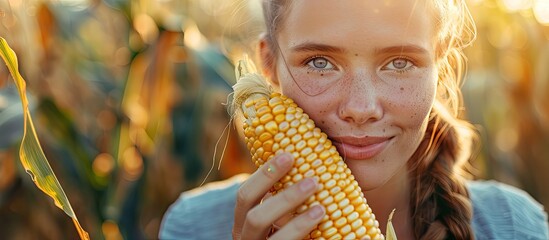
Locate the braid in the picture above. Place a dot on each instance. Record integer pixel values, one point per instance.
(441, 208)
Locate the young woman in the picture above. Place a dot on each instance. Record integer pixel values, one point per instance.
(382, 79)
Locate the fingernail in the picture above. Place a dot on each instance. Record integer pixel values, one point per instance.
(307, 185)
(316, 212)
(284, 160)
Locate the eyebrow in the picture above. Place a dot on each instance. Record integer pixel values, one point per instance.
(402, 49)
(316, 47)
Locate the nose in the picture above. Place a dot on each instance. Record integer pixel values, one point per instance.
(361, 102)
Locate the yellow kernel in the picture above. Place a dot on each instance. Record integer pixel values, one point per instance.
(316, 163)
(291, 110)
(321, 170)
(291, 132)
(356, 224)
(340, 222)
(267, 155)
(302, 208)
(299, 161)
(352, 216)
(255, 122)
(265, 136)
(362, 208)
(328, 200)
(310, 124)
(336, 215)
(308, 135)
(361, 230)
(325, 177)
(304, 167)
(339, 196)
(311, 156)
(280, 118)
(268, 145)
(299, 113)
(331, 168)
(259, 152)
(295, 123)
(330, 184)
(344, 202)
(345, 230)
(297, 177)
(303, 122)
(372, 231)
(286, 178)
(315, 234)
(356, 201)
(296, 138)
(302, 129)
(319, 148)
(284, 142)
(300, 145)
(347, 210)
(283, 126)
(311, 142)
(263, 110)
(335, 190)
(278, 137)
(352, 194)
(349, 189)
(257, 144)
(289, 148)
(336, 236)
(309, 173)
(324, 155)
(249, 102)
(326, 225)
(369, 223)
(272, 127)
(266, 118)
(275, 102)
(342, 183)
(323, 194)
(306, 151)
(248, 132)
(261, 101)
(331, 208)
(330, 232)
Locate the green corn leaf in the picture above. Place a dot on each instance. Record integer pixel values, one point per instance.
(32, 157)
(390, 233)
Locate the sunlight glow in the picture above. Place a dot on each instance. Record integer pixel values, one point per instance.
(517, 5)
(541, 11)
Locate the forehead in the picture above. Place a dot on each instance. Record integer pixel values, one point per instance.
(360, 22)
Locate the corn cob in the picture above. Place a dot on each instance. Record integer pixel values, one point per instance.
(274, 124)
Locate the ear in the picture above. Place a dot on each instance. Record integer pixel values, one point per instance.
(267, 56)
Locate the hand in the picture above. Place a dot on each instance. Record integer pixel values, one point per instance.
(254, 220)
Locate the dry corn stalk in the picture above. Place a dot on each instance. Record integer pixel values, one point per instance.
(274, 124)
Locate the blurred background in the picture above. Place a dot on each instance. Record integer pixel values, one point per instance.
(128, 101)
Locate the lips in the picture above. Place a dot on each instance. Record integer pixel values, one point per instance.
(360, 147)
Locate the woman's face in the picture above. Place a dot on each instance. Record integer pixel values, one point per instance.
(364, 71)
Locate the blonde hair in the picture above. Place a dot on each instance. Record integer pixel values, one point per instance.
(440, 203)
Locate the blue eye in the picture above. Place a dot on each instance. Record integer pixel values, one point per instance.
(399, 64)
(320, 63)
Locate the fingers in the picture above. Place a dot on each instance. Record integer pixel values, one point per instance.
(301, 225)
(259, 183)
(260, 219)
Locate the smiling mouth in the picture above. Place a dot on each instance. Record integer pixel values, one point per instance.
(361, 148)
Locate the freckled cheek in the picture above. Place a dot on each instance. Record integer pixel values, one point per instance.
(413, 104)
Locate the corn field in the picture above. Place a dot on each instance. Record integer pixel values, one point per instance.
(128, 101)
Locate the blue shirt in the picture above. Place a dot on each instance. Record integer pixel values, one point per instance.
(499, 212)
